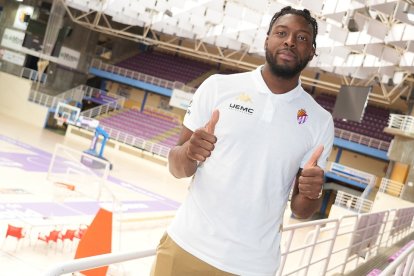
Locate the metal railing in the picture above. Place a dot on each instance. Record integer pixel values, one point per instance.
(361, 139)
(81, 91)
(96, 63)
(391, 187)
(341, 244)
(97, 261)
(353, 203)
(135, 141)
(53, 100)
(76, 94)
(404, 123)
(93, 92)
(33, 75)
(101, 110)
(340, 133)
(402, 265)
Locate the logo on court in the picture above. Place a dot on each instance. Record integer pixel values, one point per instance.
(302, 116)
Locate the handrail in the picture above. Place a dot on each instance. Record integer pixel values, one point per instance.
(76, 93)
(341, 250)
(91, 91)
(391, 187)
(96, 261)
(32, 74)
(51, 101)
(403, 265)
(352, 202)
(135, 141)
(100, 110)
(340, 133)
(362, 139)
(140, 76)
(404, 123)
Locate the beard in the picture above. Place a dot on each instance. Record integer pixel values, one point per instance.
(285, 71)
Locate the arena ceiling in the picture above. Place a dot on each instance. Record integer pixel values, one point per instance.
(361, 42)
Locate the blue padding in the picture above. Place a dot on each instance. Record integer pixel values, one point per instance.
(135, 83)
(380, 154)
(345, 180)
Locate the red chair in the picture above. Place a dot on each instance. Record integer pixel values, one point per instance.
(80, 232)
(53, 236)
(69, 235)
(14, 231)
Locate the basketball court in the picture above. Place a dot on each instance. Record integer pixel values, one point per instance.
(142, 194)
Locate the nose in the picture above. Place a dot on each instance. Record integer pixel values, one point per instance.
(290, 41)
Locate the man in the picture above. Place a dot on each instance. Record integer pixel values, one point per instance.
(246, 139)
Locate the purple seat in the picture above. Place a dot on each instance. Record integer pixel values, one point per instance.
(149, 125)
(164, 66)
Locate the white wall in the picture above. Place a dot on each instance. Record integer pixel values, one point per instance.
(14, 92)
(384, 202)
(338, 212)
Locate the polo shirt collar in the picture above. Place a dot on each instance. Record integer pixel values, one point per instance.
(264, 89)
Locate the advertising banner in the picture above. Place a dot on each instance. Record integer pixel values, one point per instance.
(180, 99)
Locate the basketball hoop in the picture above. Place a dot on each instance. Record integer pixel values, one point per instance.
(66, 113)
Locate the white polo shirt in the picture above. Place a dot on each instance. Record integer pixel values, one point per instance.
(231, 216)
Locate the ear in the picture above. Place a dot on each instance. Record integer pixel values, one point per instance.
(265, 42)
(312, 53)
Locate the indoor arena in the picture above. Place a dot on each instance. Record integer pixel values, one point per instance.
(207, 137)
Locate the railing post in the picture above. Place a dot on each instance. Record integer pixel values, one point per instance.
(331, 246)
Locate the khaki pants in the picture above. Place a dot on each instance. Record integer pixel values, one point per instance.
(172, 260)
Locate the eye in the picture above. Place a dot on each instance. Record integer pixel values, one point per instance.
(302, 38)
(280, 33)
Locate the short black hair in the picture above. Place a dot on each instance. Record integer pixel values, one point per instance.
(304, 13)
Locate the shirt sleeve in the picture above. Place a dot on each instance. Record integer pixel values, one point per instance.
(202, 105)
(326, 137)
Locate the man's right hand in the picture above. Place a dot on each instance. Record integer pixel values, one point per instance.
(201, 142)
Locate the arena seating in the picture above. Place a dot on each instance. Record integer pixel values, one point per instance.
(184, 70)
(372, 125)
(100, 98)
(149, 125)
(169, 67)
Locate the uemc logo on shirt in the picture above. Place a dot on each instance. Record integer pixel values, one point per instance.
(242, 107)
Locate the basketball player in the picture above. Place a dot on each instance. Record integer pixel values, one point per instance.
(247, 139)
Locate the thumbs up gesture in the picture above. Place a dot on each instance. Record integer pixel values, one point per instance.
(202, 141)
(312, 177)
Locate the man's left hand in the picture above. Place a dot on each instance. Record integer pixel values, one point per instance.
(311, 178)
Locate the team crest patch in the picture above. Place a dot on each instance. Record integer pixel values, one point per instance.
(302, 116)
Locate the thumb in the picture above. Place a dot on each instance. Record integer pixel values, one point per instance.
(313, 161)
(211, 125)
